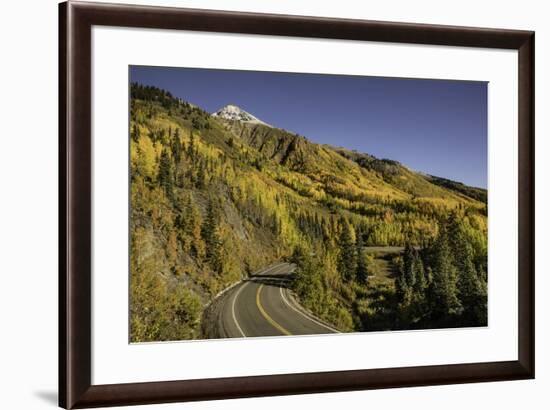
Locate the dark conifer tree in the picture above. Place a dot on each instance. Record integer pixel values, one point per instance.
(443, 292)
(165, 176)
(421, 282)
(472, 289)
(409, 265)
(176, 147)
(135, 133)
(191, 147)
(211, 236)
(347, 260)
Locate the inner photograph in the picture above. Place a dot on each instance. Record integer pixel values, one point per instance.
(287, 204)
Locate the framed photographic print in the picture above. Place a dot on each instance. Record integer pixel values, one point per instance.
(259, 204)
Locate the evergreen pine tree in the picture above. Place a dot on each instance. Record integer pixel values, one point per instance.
(191, 147)
(135, 134)
(165, 175)
(211, 236)
(200, 181)
(403, 290)
(443, 293)
(192, 229)
(409, 265)
(472, 290)
(176, 146)
(420, 283)
(347, 260)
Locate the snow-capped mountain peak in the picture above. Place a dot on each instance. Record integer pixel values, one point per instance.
(234, 113)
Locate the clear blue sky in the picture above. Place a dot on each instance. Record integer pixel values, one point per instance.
(435, 126)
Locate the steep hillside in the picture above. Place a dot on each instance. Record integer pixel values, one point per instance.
(216, 197)
(479, 194)
(416, 184)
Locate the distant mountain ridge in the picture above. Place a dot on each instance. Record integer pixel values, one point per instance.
(281, 144)
(294, 150)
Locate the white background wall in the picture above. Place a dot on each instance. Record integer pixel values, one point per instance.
(28, 202)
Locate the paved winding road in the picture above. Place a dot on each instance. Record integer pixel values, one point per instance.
(263, 306)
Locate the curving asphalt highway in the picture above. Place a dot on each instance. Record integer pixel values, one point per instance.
(263, 306)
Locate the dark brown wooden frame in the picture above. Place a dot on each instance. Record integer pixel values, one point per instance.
(75, 23)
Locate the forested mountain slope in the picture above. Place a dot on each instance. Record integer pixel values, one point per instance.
(213, 199)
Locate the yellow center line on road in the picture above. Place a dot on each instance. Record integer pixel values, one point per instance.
(266, 316)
